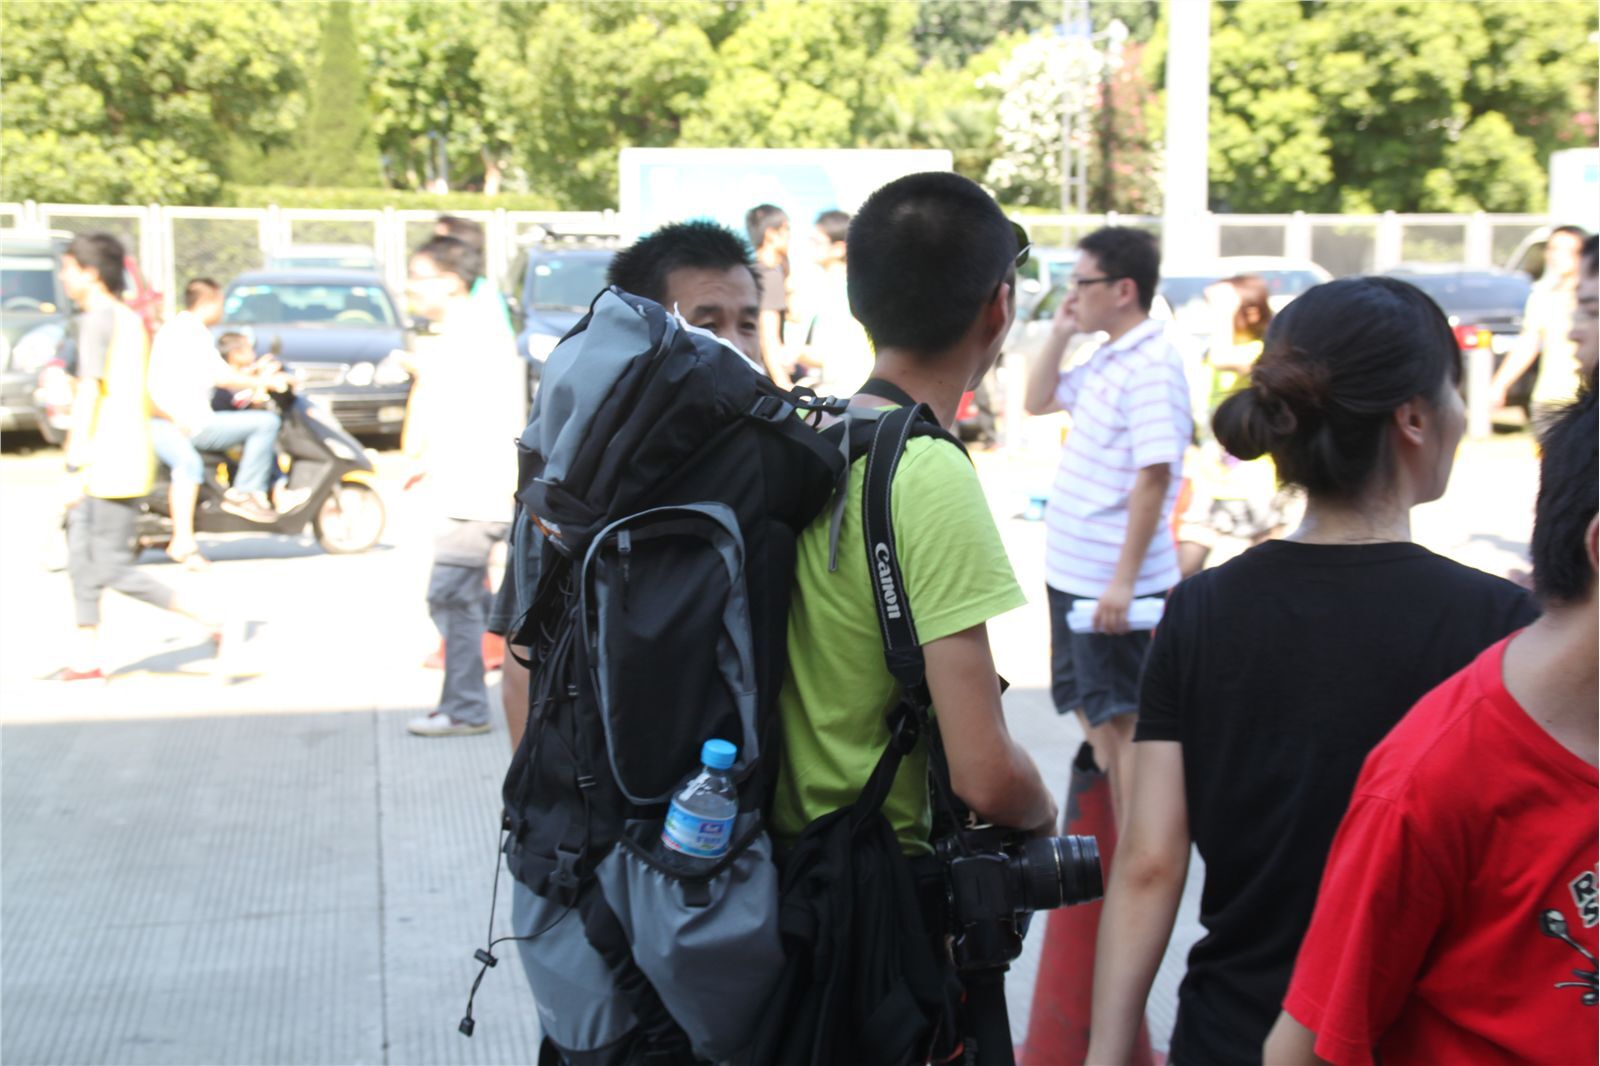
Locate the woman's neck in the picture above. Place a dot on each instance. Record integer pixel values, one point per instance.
(1330, 522)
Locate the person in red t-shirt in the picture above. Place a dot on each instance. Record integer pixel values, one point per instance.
(1458, 911)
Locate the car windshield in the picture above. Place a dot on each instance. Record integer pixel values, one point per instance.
(357, 306)
(566, 284)
(1456, 293)
(323, 262)
(28, 283)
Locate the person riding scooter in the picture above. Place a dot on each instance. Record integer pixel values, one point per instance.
(329, 486)
(184, 369)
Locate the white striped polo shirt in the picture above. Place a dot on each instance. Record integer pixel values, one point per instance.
(1129, 404)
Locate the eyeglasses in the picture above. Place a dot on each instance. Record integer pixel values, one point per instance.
(1023, 245)
(1074, 284)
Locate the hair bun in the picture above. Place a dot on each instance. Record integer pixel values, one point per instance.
(1294, 379)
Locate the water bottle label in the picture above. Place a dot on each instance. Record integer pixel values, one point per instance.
(703, 838)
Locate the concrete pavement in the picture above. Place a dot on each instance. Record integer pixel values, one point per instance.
(267, 868)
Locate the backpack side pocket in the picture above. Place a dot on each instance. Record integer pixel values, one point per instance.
(708, 942)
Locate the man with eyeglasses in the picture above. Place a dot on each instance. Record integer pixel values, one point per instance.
(933, 280)
(1107, 538)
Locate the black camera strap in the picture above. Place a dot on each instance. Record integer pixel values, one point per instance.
(902, 650)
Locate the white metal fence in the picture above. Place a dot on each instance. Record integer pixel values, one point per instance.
(177, 243)
(173, 244)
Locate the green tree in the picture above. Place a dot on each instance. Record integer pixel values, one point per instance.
(594, 78)
(335, 146)
(439, 107)
(134, 102)
(1338, 105)
(800, 75)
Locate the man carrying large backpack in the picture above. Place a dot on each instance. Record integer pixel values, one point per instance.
(690, 582)
(932, 279)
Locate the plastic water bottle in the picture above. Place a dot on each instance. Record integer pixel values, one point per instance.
(699, 823)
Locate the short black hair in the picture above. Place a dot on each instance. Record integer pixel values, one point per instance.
(1336, 363)
(198, 289)
(1589, 258)
(462, 229)
(761, 218)
(1126, 252)
(835, 225)
(1569, 488)
(926, 252)
(102, 253)
(642, 267)
(452, 255)
(1571, 231)
(231, 342)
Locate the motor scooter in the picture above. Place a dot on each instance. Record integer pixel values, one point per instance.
(326, 466)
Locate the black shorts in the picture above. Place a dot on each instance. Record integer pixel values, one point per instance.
(1097, 673)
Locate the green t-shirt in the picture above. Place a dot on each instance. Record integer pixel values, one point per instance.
(838, 690)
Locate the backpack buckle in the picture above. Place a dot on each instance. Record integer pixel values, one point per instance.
(564, 878)
(771, 409)
(904, 729)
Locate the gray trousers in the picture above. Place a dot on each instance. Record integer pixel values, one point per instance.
(458, 602)
(101, 555)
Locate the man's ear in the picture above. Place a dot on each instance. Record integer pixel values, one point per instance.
(996, 313)
(1591, 545)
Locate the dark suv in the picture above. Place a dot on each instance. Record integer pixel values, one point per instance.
(551, 286)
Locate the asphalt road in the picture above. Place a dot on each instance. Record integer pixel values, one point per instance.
(265, 867)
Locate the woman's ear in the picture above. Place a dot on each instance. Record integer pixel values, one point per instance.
(1411, 420)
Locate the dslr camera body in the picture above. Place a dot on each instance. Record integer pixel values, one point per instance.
(996, 878)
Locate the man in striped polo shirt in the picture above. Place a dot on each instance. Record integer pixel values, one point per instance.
(1107, 536)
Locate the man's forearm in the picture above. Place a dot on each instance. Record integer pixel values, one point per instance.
(514, 694)
(81, 421)
(1523, 354)
(1044, 376)
(1144, 515)
(772, 354)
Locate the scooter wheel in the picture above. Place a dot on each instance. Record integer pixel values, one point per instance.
(350, 520)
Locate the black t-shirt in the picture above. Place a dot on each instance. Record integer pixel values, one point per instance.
(1278, 672)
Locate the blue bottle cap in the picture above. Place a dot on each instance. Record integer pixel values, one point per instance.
(718, 754)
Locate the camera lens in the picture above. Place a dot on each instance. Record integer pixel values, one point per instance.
(1060, 871)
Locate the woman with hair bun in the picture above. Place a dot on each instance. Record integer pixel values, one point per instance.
(1273, 675)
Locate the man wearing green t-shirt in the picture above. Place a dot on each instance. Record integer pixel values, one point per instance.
(932, 278)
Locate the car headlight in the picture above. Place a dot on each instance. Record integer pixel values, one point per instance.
(391, 370)
(37, 347)
(360, 375)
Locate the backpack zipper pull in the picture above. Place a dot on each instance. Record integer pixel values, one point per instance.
(624, 549)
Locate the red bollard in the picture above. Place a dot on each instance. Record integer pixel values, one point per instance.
(1058, 1025)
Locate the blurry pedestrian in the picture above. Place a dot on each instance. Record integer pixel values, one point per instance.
(469, 408)
(1108, 538)
(1546, 321)
(768, 228)
(1586, 307)
(185, 370)
(1457, 917)
(702, 271)
(1273, 675)
(110, 459)
(1228, 496)
(465, 229)
(836, 346)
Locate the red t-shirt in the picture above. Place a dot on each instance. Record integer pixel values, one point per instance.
(1457, 916)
